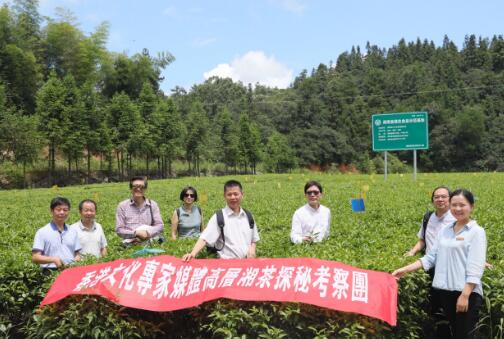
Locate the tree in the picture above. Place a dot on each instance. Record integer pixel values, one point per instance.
(94, 130)
(497, 53)
(19, 69)
(468, 135)
(20, 138)
(127, 130)
(18, 65)
(51, 109)
(249, 143)
(493, 146)
(69, 51)
(128, 75)
(172, 132)
(229, 139)
(279, 155)
(27, 29)
(147, 103)
(197, 129)
(72, 125)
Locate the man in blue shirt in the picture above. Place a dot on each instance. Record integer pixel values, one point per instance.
(56, 244)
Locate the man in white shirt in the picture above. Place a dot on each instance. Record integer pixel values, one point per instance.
(91, 236)
(440, 217)
(240, 234)
(311, 222)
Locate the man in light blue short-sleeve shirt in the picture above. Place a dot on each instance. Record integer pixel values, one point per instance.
(56, 244)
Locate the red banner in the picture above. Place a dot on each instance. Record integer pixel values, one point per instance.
(166, 283)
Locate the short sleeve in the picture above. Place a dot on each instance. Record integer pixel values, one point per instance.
(38, 242)
(103, 240)
(211, 233)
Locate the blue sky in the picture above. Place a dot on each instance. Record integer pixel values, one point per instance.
(272, 41)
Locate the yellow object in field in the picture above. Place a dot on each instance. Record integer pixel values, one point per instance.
(203, 198)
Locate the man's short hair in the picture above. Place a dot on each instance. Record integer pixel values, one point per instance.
(232, 183)
(81, 204)
(188, 188)
(143, 178)
(438, 188)
(59, 201)
(312, 183)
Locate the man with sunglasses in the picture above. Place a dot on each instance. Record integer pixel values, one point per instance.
(311, 222)
(138, 219)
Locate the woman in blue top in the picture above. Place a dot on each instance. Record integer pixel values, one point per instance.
(458, 255)
(187, 220)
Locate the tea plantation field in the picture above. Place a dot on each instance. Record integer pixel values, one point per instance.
(375, 239)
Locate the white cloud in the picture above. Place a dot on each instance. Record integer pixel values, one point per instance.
(221, 71)
(254, 67)
(294, 6)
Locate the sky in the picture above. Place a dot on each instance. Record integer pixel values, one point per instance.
(272, 41)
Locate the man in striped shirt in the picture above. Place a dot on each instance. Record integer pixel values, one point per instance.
(138, 219)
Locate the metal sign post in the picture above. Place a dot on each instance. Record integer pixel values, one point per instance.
(414, 165)
(385, 166)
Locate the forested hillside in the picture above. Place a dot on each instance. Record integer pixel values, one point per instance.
(64, 96)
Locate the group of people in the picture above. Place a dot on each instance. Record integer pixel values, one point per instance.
(454, 248)
(138, 219)
(453, 244)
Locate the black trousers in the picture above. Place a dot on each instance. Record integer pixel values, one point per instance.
(462, 324)
(441, 324)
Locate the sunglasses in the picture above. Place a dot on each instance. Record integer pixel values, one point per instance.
(189, 195)
(312, 192)
(138, 187)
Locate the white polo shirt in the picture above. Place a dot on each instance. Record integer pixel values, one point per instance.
(92, 240)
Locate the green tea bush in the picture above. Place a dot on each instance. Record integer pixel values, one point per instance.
(375, 239)
(22, 288)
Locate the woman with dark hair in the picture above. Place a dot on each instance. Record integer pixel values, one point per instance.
(187, 220)
(458, 256)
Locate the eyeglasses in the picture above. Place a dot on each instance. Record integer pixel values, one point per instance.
(138, 187)
(312, 193)
(189, 195)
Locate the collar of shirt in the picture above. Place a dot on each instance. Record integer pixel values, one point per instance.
(468, 226)
(146, 202)
(441, 217)
(84, 228)
(228, 211)
(314, 210)
(54, 227)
